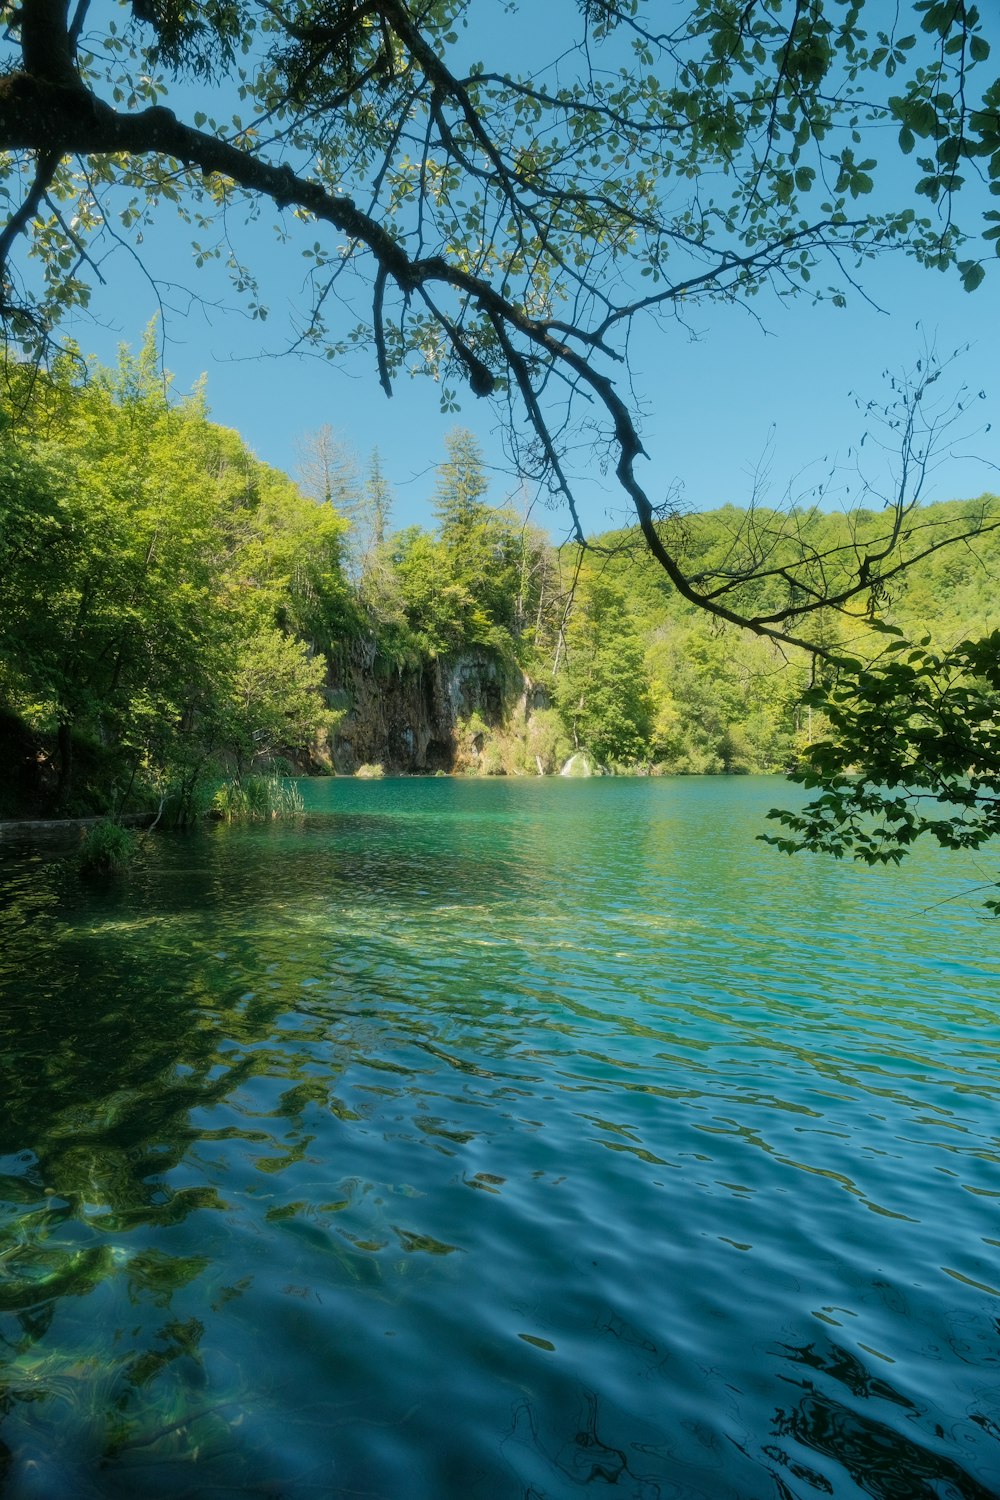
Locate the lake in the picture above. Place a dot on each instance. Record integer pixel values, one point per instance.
(485, 1140)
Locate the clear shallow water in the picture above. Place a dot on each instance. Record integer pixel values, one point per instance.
(466, 1141)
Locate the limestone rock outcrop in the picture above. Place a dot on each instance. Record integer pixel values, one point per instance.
(405, 720)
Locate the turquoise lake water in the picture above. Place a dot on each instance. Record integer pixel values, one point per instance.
(471, 1140)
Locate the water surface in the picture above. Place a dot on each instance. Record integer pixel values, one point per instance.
(484, 1140)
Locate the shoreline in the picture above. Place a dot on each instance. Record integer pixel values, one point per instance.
(12, 826)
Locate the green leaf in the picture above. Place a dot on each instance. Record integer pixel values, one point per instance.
(972, 273)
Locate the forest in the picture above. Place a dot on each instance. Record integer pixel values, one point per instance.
(177, 614)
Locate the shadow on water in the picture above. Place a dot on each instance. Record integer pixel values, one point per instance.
(884, 1459)
(458, 1143)
(109, 1044)
(131, 1035)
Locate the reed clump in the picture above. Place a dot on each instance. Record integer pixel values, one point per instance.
(107, 849)
(256, 799)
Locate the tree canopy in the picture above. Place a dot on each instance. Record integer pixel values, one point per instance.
(160, 585)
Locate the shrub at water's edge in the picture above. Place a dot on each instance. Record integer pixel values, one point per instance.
(107, 849)
(370, 773)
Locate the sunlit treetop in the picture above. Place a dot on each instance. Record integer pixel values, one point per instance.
(469, 206)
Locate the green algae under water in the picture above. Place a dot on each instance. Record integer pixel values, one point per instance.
(465, 1141)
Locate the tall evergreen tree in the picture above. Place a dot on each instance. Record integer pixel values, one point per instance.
(378, 501)
(462, 483)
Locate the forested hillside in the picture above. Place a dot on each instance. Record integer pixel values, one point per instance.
(723, 699)
(174, 611)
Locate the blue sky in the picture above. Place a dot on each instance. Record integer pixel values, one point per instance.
(719, 399)
(723, 398)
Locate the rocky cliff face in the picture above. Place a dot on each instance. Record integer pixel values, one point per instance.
(405, 721)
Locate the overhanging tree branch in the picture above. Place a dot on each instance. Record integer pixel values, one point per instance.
(515, 224)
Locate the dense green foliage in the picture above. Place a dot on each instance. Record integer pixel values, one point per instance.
(727, 699)
(639, 676)
(107, 849)
(159, 587)
(173, 610)
(483, 579)
(604, 690)
(911, 747)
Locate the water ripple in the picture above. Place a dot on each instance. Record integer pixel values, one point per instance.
(483, 1141)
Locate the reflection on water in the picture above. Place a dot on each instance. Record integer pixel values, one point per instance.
(483, 1140)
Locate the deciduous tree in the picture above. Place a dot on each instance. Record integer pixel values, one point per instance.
(159, 584)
